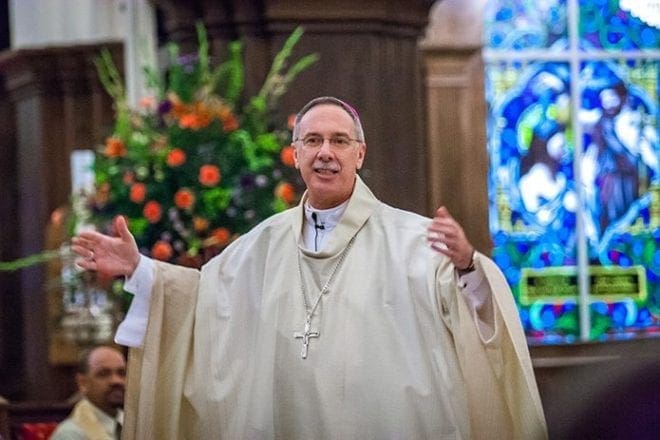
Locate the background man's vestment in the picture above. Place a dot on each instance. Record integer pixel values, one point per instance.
(87, 422)
(400, 354)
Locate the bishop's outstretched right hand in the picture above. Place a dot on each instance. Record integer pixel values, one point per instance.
(109, 255)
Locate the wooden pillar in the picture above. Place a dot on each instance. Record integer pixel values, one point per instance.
(368, 56)
(10, 319)
(57, 105)
(456, 118)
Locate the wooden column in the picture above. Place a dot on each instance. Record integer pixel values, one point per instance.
(10, 319)
(368, 56)
(56, 105)
(456, 117)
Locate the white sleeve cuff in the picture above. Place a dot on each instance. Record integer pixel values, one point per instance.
(474, 289)
(142, 280)
(477, 293)
(132, 329)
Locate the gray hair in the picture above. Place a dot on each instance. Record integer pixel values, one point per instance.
(359, 133)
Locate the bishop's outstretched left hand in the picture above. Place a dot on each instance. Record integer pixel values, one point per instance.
(109, 255)
(445, 235)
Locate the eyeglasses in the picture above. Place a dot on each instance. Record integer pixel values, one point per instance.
(314, 141)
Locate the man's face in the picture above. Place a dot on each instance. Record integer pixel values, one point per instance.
(328, 171)
(104, 383)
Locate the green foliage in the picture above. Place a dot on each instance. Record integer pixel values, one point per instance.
(31, 260)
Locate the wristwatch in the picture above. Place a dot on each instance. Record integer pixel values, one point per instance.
(469, 268)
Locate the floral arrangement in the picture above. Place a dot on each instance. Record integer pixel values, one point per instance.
(196, 165)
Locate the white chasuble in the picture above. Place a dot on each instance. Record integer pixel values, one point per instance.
(396, 353)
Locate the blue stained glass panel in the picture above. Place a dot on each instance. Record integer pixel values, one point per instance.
(619, 116)
(516, 25)
(533, 200)
(534, 195)
(621, 175)
(618, 25)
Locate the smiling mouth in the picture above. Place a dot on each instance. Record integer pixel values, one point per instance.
(325, 170)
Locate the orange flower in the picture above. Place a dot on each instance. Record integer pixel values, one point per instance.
(291, 121)
(176, 157)
(195, 121)
(285, 192)
(162, 250)
(200, 224)
(184, 198)
(223, 111)
(287, 156)
(221, 236)
(138, 193)
(229, 123)
(209, 175)
(152, 211)
(114, 147)
(178, 108)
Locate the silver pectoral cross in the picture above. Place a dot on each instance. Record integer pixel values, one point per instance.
(305, 335)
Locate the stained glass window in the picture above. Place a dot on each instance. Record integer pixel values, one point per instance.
(574, 178)
(619, 25)
(525, 24)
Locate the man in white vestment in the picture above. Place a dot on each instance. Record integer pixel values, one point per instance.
(342, 318)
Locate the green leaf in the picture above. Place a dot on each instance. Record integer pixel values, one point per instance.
(114, 86)
(279, 205)
(267, 142)
(193, 247)
(302, 64)
(203, 54)
(31, 260)
(216, 199)
(278, 80)
(228, 78)
(154, 81)
(137, 226)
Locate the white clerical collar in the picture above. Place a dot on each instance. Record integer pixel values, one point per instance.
(319, 223)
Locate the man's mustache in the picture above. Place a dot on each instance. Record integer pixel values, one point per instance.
(327, 167)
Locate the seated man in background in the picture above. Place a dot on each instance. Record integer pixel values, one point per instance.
(101, 380)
